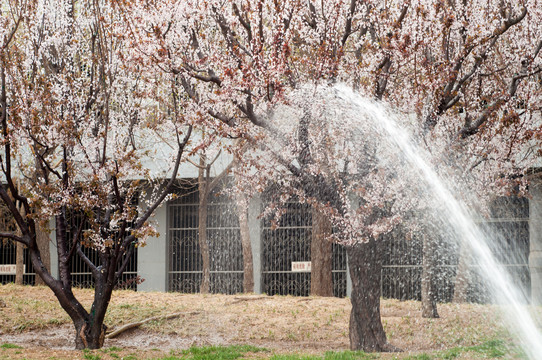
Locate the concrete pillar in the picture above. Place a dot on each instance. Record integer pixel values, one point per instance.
(535, 241)
(152, 258)
(254, 225)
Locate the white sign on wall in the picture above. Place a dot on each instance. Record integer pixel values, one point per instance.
(301, 266)
(9, 269)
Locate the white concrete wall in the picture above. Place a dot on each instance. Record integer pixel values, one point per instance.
(152, 258)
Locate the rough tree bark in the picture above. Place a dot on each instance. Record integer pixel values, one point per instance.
(42, 232)
(203, 187)
(42, 238)
(366, 330)
(89, 327)
(321, 255)
(19, 263)
(248, 265)
(429, 303)
(19, 255)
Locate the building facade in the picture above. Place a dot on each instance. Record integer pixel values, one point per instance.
(281, 256)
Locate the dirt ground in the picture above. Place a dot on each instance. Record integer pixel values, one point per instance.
(31, 318)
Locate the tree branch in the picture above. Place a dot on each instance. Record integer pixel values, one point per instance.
(448, 98)
(11, 34)
(87, 261)
(348, 26)
(15, 212)
(228, 34)
(6, 235)
(125, 262)
(195, 97)
(76, 237)
(139, 323)
(220, 176)
(245, 22)
(197, 74)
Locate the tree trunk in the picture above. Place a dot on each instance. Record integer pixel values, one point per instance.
(462, 277)
(19, 263)
(205, 186)
(248, 266)
(89, 337)
(321, 256)
(42, 238)
(366, 330)
(204, 246)
(42, 233)
(92, 332)
(88, 328)
(429, 303)
(19, 259)
(203, 189)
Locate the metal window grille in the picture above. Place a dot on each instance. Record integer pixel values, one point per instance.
(402, 267)
(185, 266)
(80, 272)
(8, 251)
(289, 242)
(509, 224)
(508, 227)
(401, 270)
(8, 254)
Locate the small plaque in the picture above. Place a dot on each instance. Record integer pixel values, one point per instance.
(8, 269)
(301, 266)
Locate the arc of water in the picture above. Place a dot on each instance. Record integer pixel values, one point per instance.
(502, 287)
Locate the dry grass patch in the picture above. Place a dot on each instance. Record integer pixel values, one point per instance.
(31, 317)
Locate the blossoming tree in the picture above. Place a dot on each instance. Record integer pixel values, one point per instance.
(76, 119)
(77, 82)
(465, 68)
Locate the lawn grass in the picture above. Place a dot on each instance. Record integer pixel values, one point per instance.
(10, 346)
(329, 355)
(493, 349)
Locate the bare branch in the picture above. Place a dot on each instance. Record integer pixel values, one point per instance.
(220, 176)
(189, 89)
(41, 157)
(130, 326)
(87, 261)
(196, 165)
(310, 16)
(15, 212)
(538, 48)
(199, 74)
(244, 21)
(248, 110)
(11, 236)
(127, 258)
(348, 26)
(11, 34)
(228, 34)
(76, 237)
